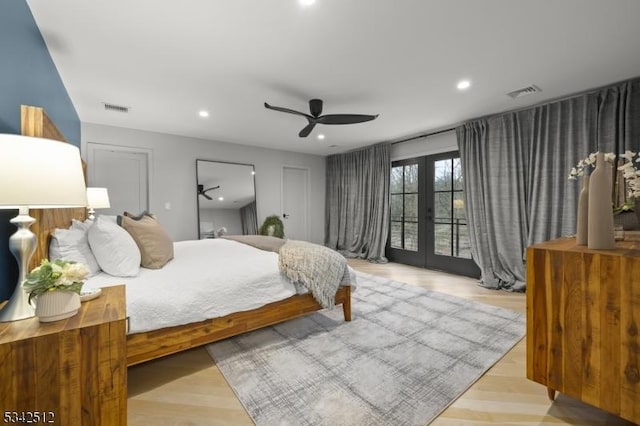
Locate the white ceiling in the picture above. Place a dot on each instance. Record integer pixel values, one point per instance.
(167, 60)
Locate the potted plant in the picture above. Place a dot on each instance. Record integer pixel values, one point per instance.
(56, 288)
(272, 226)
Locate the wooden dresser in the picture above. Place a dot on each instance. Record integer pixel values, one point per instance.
(71, 371)
(583, 323)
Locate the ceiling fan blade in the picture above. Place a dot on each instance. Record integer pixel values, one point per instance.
(344, 118)
(287, 110)
(206, 196)
(209, 189)
(308, 128)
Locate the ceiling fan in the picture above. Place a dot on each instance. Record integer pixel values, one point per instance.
(315, 107)
(203, 192)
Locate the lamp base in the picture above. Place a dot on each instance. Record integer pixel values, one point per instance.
(22, 244)
(17, 307)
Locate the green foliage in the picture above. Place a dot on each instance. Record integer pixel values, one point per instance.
(57, 275)
(278, 227)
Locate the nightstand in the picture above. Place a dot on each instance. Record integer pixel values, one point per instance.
(68, 372)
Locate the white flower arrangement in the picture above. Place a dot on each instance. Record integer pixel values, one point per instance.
(590, 160)
(59, 275)
(631, 174)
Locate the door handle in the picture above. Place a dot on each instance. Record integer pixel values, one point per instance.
(284, 215)
(429, 214)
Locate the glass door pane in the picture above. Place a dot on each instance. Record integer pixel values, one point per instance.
(405, 240)
(448, 246)
(404, 207)
(450, 227)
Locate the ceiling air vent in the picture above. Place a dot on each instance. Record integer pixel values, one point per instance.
(114, 107)
(529, 90)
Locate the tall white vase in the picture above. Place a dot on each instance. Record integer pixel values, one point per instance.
(582, 228)
(600, 219)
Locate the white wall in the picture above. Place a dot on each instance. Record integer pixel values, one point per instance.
(173, 175)
(436, 144)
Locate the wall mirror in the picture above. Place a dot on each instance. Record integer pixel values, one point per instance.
(226, 199)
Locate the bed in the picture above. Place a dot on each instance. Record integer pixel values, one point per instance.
(147, 345)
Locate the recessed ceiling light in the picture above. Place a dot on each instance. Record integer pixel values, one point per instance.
(203, 113)
(464, 84)
(253, 172)
(307, 2)
(320, 136)
(220, 198)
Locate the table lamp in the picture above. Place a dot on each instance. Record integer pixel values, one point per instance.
(35, 173)
(97, 198)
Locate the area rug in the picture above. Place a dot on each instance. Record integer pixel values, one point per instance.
(406, 356)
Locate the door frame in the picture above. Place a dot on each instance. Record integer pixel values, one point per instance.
(425, 256)
(307, 170)
(455, 265)
(408, 257)
(93, 146)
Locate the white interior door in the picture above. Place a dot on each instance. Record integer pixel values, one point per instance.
(125, 174)
(295, 202)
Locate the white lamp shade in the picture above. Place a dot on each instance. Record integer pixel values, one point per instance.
(40, 173)
(98, 198)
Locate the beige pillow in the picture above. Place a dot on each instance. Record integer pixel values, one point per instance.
(156, 248)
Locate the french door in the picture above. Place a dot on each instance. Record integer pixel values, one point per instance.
(428, 223)
(406, 245)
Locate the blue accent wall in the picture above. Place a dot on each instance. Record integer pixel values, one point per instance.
(27, 76)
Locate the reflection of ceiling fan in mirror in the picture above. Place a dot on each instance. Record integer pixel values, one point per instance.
(203, 192)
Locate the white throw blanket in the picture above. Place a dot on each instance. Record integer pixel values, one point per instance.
(319, 269)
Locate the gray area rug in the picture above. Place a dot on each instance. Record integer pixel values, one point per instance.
(406, 356)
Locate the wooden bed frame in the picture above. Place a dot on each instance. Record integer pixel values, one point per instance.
(150, 345)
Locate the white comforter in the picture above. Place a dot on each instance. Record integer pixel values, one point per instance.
(206, 279)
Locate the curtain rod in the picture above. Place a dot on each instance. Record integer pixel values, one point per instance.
(539, 104)
(424, 135)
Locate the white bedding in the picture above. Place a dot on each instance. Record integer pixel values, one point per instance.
(207, 279)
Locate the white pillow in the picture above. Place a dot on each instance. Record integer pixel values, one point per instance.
(76, 224)
(72, 244)
(110, 217)
(116, 252)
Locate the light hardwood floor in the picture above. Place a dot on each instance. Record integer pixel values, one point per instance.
(188, 389)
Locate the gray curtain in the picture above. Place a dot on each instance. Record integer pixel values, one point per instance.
(515, 168)
(249, 219)
(493, 153)
(357, 202)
